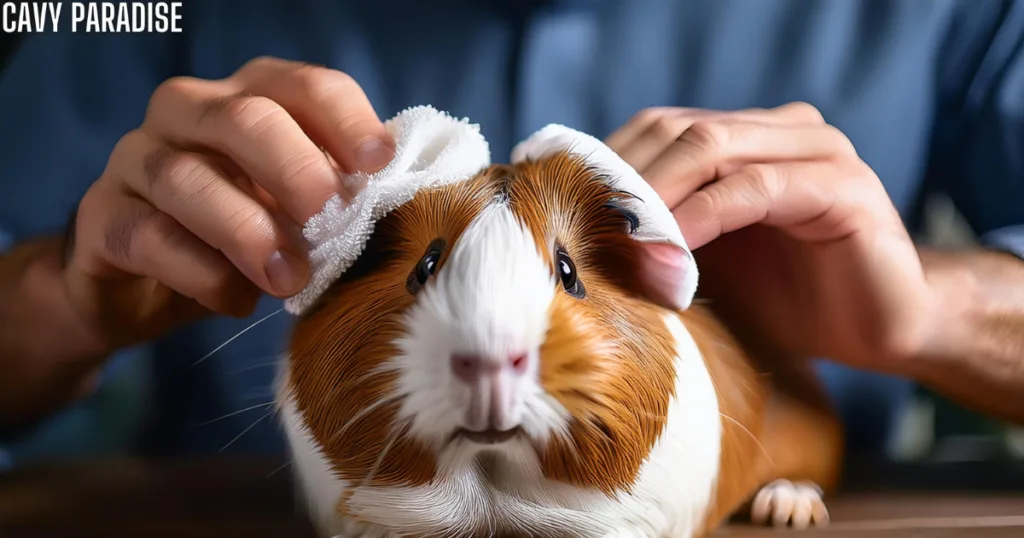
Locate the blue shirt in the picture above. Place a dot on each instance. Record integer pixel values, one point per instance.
(931, 92)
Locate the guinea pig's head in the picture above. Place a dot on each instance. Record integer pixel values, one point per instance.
(517, 311)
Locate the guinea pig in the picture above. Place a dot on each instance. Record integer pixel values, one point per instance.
(503, 360)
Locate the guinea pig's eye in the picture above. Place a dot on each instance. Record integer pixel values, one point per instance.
(425, 267)
(567, 274)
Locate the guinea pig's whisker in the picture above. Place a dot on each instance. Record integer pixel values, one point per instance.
(256, 366)
(240, 333)
(262, 394)
(245, 431)
(281, 468)
(362, 413)
(387, 446)
(363, 378)
(233, 413)
(714, 384)
(744, 428)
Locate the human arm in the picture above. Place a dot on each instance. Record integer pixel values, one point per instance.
(194, 212)
(801, 249)
(62, 106)
(977, 356)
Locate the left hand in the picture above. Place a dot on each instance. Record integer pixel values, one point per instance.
(797, 240)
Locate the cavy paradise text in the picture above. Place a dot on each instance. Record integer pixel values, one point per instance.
(91, 17)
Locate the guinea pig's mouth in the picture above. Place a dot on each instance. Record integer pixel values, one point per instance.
(488, 437)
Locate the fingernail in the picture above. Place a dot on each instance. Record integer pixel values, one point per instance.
(286, 273)
(373, 154)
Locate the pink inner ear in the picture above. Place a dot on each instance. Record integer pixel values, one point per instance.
(662, 268)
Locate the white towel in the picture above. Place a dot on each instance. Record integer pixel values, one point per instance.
(433, 149)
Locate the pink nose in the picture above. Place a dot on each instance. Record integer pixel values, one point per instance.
(470, 368)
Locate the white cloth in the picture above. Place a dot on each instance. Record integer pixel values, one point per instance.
(433, 149)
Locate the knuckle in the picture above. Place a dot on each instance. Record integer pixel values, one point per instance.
(177, 172)
(120, 236)
(160, 230)
(842, 143)
(764, 179)
(155, 228)
(127, 148)
(86, 221)
(648, 115)
(706, 201)
(172, 88)
(319, 82)
(257, 64)
(355, 126)
(706, 135)
(243, 111)
(805, 111)
(666, 128)
(155, 165)
(250, 230)
(306, 164)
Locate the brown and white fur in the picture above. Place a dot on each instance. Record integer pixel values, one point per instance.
(635, 420)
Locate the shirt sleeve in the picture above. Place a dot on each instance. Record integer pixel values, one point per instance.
(979, 148)
(65, 101)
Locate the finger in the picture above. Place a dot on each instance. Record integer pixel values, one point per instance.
(710, 150)
(255, 133)
(330, 105)
(811, 200)
(648, 133)
(194, 191)
(643, 120)
(139, 239)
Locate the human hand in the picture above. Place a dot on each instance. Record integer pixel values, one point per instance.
(200, 208)
(798, 243)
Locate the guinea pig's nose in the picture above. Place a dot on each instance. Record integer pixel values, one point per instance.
(470, 368)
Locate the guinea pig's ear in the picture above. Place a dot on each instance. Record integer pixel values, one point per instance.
(667, 269)
(432, 149)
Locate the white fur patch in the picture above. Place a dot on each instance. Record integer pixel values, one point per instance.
(490, 298)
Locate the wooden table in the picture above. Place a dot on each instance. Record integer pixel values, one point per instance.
(248, 499)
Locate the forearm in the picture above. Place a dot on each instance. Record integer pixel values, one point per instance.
(48, 355)
(975, 353)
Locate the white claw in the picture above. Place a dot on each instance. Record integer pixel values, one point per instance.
(783, 503)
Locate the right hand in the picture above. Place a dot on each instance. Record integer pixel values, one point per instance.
(200, 208)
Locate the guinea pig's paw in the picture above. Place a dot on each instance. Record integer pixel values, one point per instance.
(784, 503)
